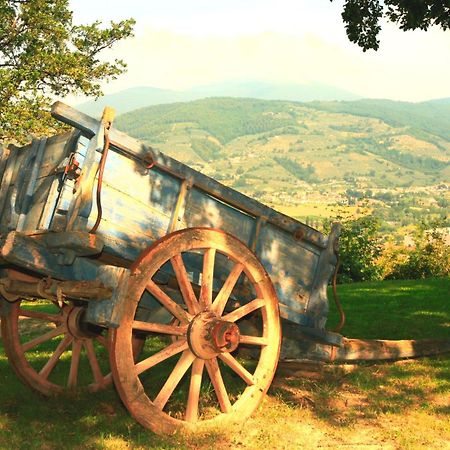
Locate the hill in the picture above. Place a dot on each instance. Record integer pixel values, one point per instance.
(289, 153)
(274, 91)
(133, 98)
(139, 97)
(431, 117)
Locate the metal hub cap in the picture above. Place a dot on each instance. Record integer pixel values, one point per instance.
(208, 335)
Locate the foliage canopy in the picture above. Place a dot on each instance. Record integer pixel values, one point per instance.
(362, 17)
(44, 54)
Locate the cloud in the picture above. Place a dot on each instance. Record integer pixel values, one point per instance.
(409, 66)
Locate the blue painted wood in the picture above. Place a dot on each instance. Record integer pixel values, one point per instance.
(27, 252)
(138, 208)
(140, 152)
(108, 312)
(30, 182)
(203, 210)
(291, 265)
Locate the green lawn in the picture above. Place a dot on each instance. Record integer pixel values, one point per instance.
(400, 406)
(407, 309)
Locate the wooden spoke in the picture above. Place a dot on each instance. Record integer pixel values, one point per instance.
(107, 379)
(52, 325)
(51, 363)
(237, 367)
(55, 318)
(253, 340)
(196, 330)
(207, 277)
(166, 353)
(175, 377)
(227, 288)
(217, 381)
(244, 310)
(93, 362)
(74, 363)
(175, 309)
(185, 285)
(194, 390)
(160, 328)
(44, 338)
(102, 340)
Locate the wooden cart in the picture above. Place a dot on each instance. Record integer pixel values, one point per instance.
(119, 263)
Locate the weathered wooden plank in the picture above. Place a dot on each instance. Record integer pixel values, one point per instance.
(42, 200)
(153, 188)
(109, 312)
(48, 208)
(256, 232)
(363, 350)
(295, 315)
(89, 126)
(57, 151)
(33, 169)
(179, 209)
(202, 210)
(81, 205)
(317, 306)
(24, 251)
(139, 151)
(291, 265)
(4, 153)
(8, 161)
(80, 290)
(295, 352)
(29, 185)
(82, 243)
(238, 200)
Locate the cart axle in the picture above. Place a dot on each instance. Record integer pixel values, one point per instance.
(47, 288)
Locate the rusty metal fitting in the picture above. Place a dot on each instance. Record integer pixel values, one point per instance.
(148, 161)
(72, 171)
(5, 293)
(209, 336)
(299, 234)
(225, 336)
(42, 287)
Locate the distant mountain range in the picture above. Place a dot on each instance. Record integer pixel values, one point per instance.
(139, 97)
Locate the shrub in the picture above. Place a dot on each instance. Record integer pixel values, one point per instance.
(359, 249)
(430, 257)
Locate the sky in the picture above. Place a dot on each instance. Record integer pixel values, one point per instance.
(179, 44)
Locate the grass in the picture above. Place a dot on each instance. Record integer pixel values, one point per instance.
(379, 406)
(408, 309)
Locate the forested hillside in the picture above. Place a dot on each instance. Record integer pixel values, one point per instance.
(394, 154)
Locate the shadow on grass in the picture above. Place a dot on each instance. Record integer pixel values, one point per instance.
(340, 395)
(75, 420)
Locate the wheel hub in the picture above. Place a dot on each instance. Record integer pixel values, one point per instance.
(76, 325)
(208, 335)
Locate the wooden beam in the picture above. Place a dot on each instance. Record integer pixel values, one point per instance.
(181, 201)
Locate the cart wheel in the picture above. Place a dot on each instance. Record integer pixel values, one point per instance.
(198, 377)
(50, 349)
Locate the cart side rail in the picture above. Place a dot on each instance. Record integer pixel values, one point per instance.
(146, 155)
(299, 259)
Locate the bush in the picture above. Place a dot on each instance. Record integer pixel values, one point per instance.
(430, 257)
(359, 249)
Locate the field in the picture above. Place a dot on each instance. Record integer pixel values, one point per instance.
(379, 406)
